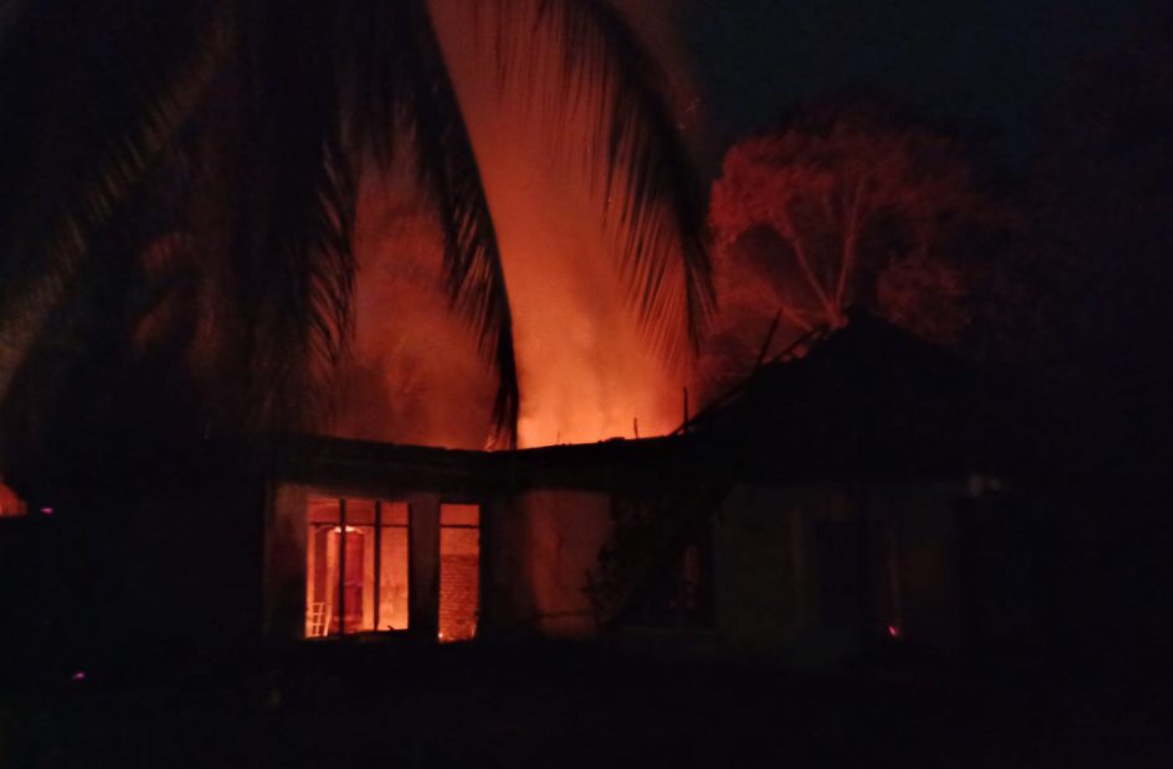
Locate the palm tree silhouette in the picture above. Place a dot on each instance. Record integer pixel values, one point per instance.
(187, 172)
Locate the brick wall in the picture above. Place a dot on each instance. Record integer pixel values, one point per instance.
(459, 589)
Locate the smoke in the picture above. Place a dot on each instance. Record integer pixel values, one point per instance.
(414, 375)
(586, 371)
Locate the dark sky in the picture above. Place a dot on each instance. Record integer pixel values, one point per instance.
(989, 65)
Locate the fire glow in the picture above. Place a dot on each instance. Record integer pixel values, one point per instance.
(586, 371)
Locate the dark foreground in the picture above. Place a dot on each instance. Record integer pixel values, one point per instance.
(550, 705)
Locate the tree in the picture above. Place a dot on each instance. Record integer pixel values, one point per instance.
(843, 207)
(181, 183)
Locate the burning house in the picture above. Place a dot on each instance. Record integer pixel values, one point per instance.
(857, 493)
(861, 493)
(828, 501)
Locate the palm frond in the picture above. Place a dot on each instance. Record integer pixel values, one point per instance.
(417, 90)
(81, 127)
(648, 175)
(286, 101)
(475, 273)
(292, 187)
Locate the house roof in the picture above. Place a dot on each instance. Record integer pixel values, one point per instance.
(867, 400)
(612, 464)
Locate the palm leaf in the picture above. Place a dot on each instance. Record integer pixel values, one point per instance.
(81, 127)
(644, 162)
(472, 256)
(285, 190)
(405, 85)
(282, 103)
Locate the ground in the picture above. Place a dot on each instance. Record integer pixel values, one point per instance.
(559, 705)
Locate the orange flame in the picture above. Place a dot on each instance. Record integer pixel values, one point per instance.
(586, 371)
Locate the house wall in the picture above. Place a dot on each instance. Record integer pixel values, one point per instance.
(761, 568)
(285, 560)
(827, 570)
(924, 519)
(544, 545)
(820, 570)
(537, 549)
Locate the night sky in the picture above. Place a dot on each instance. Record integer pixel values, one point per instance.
(989, 68)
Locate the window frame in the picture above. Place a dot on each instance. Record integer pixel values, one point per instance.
(378, 526)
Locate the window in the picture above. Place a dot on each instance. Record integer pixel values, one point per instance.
(356, 566)
(460, 564)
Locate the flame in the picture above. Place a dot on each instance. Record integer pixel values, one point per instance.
(586, 371)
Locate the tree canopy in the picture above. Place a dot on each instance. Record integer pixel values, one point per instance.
(846, 206)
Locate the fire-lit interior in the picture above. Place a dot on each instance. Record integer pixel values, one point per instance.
(356, 566)
(358, 561)
(460, 556)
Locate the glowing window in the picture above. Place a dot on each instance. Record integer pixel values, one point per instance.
(356, 566)
(460, 564)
